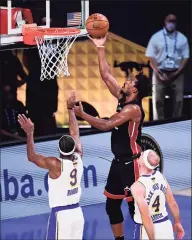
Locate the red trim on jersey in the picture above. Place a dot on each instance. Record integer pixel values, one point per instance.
(133, 133)
(113, 196)
(136, 169)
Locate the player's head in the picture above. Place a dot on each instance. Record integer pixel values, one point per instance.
(138, 86)
(66, 146)
(149, 160)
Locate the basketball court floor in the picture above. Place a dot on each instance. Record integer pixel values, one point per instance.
(177, 169)
(96, 223)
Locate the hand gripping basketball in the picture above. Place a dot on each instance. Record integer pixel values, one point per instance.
(99, 42)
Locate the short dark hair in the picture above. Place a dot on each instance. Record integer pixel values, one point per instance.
(143, 85)
(66, 144)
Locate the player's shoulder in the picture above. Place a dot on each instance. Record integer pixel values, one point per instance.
(132, 107)
(160, 176)
(137, 186)
(52, 159)
(158, 173)
(137, 190)
(52, 163)
(135, 112)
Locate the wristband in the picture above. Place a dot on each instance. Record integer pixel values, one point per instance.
(100, 46)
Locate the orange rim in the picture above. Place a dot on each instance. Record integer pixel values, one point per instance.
(59, 31)
(30, 32)
(52, 31)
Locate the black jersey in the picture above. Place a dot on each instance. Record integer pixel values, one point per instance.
(126, 138)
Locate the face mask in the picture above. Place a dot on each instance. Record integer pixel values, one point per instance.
(170, 26)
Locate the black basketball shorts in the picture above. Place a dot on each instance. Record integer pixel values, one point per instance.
(122, 174)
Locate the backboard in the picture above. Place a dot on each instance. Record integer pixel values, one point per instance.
(46, 13)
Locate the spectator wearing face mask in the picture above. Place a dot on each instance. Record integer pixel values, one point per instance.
(168, 52)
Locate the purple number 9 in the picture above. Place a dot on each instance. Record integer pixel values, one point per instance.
(73, 176)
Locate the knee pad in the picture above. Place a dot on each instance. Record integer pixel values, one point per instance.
(113, 210)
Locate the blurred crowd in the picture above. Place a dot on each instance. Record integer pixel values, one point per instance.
(41, 96)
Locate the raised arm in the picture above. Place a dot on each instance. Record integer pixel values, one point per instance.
(104, 68)
(73, 125)
(128, 112)
(40, 160)
(138, 192)
(175, 213)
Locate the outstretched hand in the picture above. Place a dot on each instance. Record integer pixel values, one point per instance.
(79, 110)
(71, 100)
(26, 123)
(99, 41)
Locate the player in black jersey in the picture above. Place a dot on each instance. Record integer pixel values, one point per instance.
(126, 126)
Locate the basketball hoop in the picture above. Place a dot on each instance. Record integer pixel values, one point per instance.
(53, 45)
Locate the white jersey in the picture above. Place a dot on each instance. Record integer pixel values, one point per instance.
(66, 189)
(155, 191)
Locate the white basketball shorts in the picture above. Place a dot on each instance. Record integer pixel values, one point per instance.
(65, 223)
(163, 230)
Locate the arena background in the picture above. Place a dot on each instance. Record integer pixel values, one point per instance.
(23, 189)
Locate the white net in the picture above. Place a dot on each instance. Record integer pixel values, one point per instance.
(53, 52)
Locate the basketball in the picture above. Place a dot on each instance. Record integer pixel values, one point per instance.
(97, 25)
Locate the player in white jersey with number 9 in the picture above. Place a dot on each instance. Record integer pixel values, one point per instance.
(151, 192)
(66, 220)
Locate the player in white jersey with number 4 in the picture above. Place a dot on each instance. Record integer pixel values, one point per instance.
(151, 192)
(66, 220)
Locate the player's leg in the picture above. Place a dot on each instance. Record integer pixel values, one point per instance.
(114, 192)
(78, 224)
(64, 221)
(131, 174)
(113, 209)
(52, 226)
